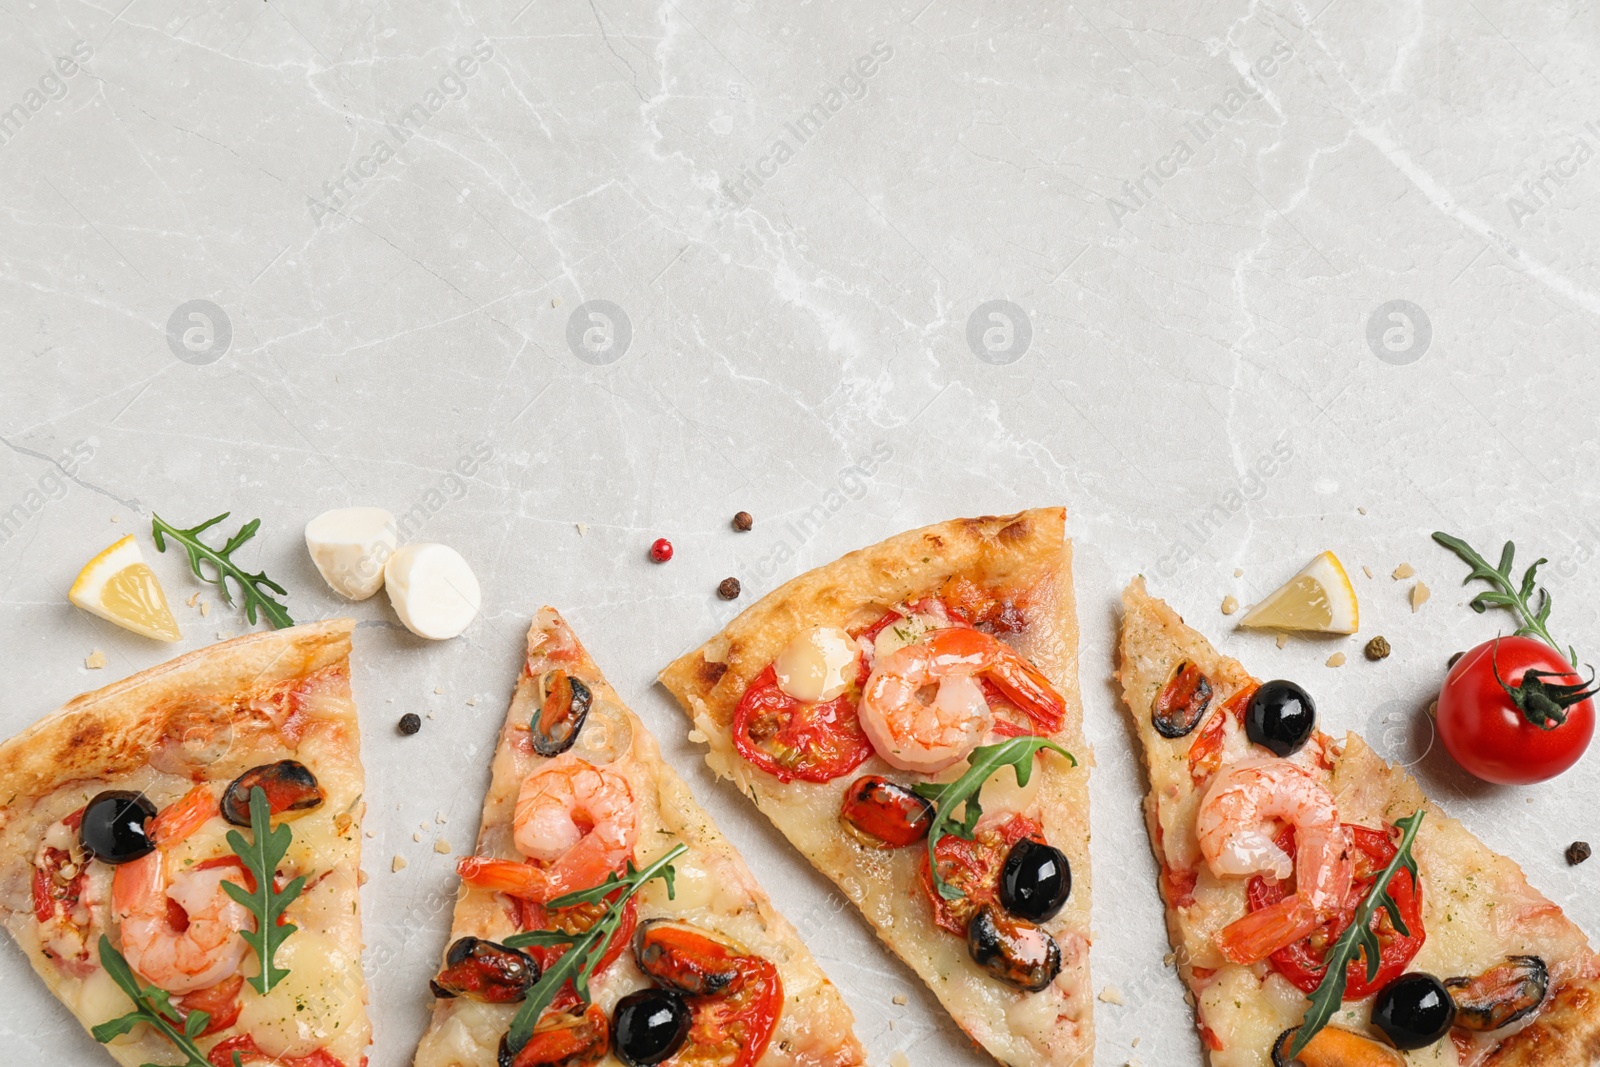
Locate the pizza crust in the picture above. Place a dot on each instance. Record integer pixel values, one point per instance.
(1465, 933)
(1025, 552)
(204, 716)
(714, 888)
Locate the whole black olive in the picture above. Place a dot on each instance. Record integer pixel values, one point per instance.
(1281, 717)
(115, 827)
(1414, 1010)
(1035, 880)
(649, 1026)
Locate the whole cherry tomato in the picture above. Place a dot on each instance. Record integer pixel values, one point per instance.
(1512, 711)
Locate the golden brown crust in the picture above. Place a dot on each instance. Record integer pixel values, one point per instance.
(1024, 557)
(1566, 1034)
(113, 730)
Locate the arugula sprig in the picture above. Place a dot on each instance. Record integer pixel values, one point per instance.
(256, 589)
(1016, 753)
(583, 956)
(261, 856)
(1359, 937)
(1530, 601)
(152, 1007)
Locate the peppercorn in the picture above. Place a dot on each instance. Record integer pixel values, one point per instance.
(1378, 648)
(661, 550)
(1455, 657)
(728, 589)
(1577, 852)
(742, 521)
(410, 723)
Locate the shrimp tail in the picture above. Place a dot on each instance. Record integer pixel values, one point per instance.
(1261, 933)
(1027, 687)
(521, 880)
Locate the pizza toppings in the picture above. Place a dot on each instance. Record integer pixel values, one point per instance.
(563, 705)
(686, 957)
(290, 787)
(817, 665)
(1182, 702)
(1280, 718)
(482, 970)
(649, 1026)
(791, 739)
(1501, 995)
(562, 1039)
(1012, 950)
(730, 1026)
(880, 813)
(1414, 1011)
(1333, 1047)
(115, 827)
(1035, 880)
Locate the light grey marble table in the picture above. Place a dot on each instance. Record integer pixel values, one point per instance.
(1234, 282)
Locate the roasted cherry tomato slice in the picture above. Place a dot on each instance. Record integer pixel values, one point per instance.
(1205, 752)
(733, 1028)
(789, 739)
(222, 1054)
(220, 1003)
(974, 868)
(1302, 963)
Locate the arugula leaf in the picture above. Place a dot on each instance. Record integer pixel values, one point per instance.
(152, 1007)
(578, 963)
(1016, 753)
(1529, 601)
(261, 856)
(1359, 936)
(250, 585)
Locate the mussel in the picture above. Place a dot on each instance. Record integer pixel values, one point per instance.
(562, 1040)
(1182, 701)
(1016, 952)
(563, 704)
(290, 786)
(1501, 995)
(884, 814)
(486, 971)
(1334, 1047)
(686, 957)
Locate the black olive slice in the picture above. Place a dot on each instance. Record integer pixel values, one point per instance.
(1281, 717)
(1035, 880)
(116, 826)
(1414, 1011)
(649, 1026)
(290, 787)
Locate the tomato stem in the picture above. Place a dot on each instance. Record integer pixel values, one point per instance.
(1542, 703)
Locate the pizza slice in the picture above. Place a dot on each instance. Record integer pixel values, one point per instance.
(603, 911)
(909, 716)
(180, 856)
(1273, 839)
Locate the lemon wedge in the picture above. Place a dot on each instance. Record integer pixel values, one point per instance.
(119, 586)
(1319, 599)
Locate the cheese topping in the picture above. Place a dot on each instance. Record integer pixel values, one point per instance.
(817, 665)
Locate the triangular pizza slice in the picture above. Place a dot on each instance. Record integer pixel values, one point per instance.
(905, 716)
(152, 830)
(603, 918)
(1273, 837)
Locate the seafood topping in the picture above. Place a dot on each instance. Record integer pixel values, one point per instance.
(116, 827)
(883, 814)
(1414, 1011)
(649, 1026)
(1182, 701)
(482, 970)
(685, 957)
(563, 705)
(1333, 1047)
(1501, 995)
(562, 1039)
(1035, 880)
(1014, 951)
(290, 786)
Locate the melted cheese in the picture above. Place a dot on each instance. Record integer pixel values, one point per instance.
(817, 665)
(468, 1035)
(315, 1004)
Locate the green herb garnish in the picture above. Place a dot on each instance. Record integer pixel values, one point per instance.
(1358, 937)
(152, 1007)
(250, 585)
(261, 856)
(580, 960)
(1017, 753)
(1529, 601)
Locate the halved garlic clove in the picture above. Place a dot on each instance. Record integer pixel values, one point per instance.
(432, 589)
(350, 547)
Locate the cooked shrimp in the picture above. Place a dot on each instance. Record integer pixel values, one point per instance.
(577, 821)
(180, 932)
(1236, 825)
(929, 736)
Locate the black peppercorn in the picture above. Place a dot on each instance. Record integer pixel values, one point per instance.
(1577, 852)
(728, 589)
(410, 723)
(742, 521)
